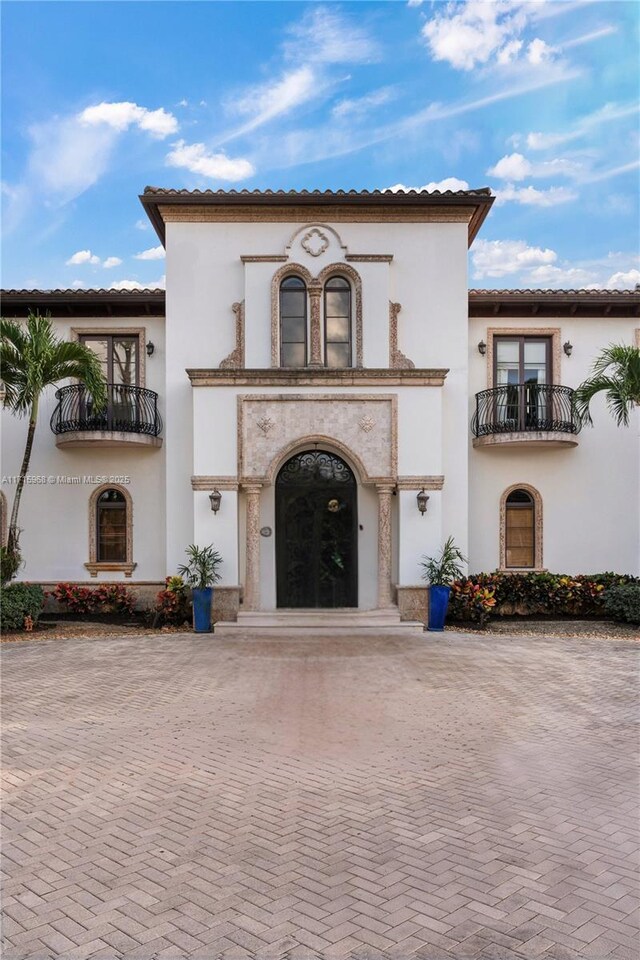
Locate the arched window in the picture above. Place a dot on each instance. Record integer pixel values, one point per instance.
(337, 322)
(111, 527)
(520, 530)
(293, 322)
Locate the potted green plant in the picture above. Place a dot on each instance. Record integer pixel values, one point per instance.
(440, 572)
(201, 572)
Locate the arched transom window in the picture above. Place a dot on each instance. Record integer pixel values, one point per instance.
(337, 322)
(293, 322)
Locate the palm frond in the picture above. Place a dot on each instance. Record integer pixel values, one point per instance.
(616, 373)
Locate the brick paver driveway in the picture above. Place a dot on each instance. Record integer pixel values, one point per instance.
(451, 796)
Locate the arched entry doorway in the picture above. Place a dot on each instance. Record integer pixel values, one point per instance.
(316, 532)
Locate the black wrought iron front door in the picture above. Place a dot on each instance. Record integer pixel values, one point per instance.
(316, 532)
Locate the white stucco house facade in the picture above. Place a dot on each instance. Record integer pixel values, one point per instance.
(319, 365)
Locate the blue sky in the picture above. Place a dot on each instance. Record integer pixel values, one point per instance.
(537, 100)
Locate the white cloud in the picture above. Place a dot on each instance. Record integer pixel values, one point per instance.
(622, 279)
(515, 166)
(120, 116)
(153, 253)
(324, 36)
(512, 167)
(531, 196)
(136, 285)
(78, 284)
(539, 52)
(362, 105)
(217, 166)
(111, 262)
(142, 224)
(449, 183)
(500, 258)
(82, 256)
(415, 3)
(606, 114)
(465, 35)
(270, 100)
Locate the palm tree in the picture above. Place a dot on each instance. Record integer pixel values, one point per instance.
(32, 358)
(616, 372)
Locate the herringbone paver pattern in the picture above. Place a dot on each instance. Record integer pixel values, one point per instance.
(451, 796)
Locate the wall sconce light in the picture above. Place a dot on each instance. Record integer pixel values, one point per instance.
(567, 347)
(215, 497)
(482, 348)
(422, 499)
(150, 348)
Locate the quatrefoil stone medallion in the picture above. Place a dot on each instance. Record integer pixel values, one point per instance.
(265, 424)
(367, 423)
(315, 242)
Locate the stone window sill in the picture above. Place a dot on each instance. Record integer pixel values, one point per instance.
(96, 567)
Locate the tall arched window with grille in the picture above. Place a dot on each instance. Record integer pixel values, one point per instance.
(293, 322)
(337, 322)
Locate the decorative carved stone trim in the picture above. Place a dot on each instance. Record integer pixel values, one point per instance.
(335, 269)
(397, 358)
(315, 324)
(369, 257)
(556, 347)
(252, 576)
(272, 451)
(538, 527)
(420, 483)
(94, 566)
(219, 213)
(367, 423)
(385, 598)
(266, 258)
(235, 360)
(289, 269)
(314, 242)
(314, 377)
(208, 483)
(320, 227)
(265, 424)
(139, 332)
(4, 519)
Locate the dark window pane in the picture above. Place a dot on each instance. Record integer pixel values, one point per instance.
(125, 360)
(338, 355)
(337, 329)
(112, 533)
(292, 303)
(519, 496)
(337, 283)
(293, 329)
(293, 355)
(292, 283)
(337, 303)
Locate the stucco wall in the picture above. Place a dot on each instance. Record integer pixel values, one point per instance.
(590, 493)
(54, 515)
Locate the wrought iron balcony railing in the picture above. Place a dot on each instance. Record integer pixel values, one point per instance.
(128, 410)
(525, 408)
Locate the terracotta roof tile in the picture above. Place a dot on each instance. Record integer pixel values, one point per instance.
(166, 192)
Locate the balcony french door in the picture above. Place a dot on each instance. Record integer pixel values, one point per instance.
(523, 371)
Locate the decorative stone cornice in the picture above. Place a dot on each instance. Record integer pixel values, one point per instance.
(420, 483)
(369, 257)
(319, 377)
(202, 482)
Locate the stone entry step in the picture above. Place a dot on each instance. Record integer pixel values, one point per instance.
(273, 622)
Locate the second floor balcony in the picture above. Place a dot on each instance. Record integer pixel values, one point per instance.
(526, 414)
(130, 418)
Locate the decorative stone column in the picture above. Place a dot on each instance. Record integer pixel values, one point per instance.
(315, 294)
(385, 598)
(252, 576)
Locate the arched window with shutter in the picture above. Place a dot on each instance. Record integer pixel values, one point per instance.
(521, 529)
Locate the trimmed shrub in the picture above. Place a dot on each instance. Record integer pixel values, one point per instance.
(108, 598)
(20, 605)
(622, 602)
(172, 606)
(475, 599)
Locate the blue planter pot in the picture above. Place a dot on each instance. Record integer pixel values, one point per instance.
(438, 603)
(202, 600)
